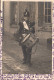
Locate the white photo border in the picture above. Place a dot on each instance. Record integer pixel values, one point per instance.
(26, 76)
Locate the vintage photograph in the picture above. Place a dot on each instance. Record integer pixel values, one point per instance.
(27, 37)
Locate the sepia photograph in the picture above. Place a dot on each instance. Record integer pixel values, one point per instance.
(27, 37)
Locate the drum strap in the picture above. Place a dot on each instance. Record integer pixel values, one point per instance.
(25, 38)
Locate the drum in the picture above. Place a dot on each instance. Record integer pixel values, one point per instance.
(30, 40)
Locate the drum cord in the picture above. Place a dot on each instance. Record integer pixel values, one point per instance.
(36, 45)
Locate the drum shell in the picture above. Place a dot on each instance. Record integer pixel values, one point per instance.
(30, 41)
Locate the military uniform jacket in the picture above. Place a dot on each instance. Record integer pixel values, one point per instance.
(26, 27)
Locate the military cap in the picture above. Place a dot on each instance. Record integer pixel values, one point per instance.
(26, 13)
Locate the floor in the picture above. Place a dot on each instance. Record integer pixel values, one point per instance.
(12, 56)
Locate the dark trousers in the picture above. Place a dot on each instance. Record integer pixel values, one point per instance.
(27, 54)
